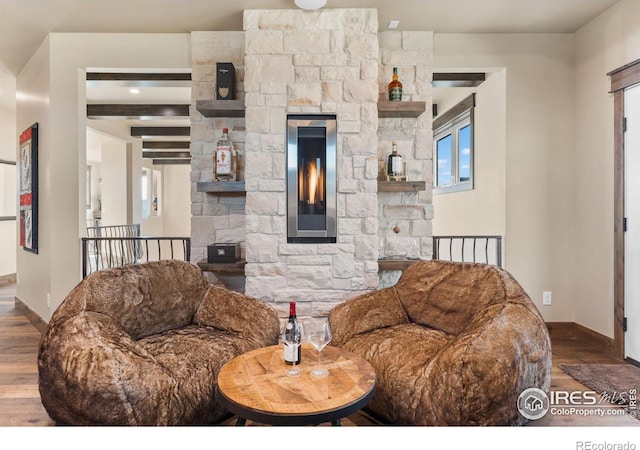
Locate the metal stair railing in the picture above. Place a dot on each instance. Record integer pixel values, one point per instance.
(480, 249)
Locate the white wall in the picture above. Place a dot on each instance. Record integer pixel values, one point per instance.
(608, 42)
(538, 203)
(33, 90)
(61, 112)
(481, 210)
(115, 197)
(8, 195)
(177, 200)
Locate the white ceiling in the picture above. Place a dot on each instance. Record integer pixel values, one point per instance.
(25, 23)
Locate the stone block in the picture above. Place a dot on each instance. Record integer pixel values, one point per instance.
(362, 205)
(261, 248)
(306, 74)
(304, 94)
(361, 91)
(320, 60)
(361, 19)
(263, 203)
(347, 185)
(349, 111)
(332, 92)
(301, 42)
(360, 144)
(324, 19)
(258, 119)
(361, 46)
(309, 260)
(410, 212)
(350, 226)
(309, 277)
(343, 266)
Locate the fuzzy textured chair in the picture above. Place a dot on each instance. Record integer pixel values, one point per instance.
(451, 344)
(143, 345)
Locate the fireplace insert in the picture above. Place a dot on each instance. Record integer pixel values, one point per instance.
(311, 178)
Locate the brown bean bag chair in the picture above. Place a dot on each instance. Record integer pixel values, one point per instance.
(451, 344)
(143, 345)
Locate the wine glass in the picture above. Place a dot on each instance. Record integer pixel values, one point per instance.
(319, 335)
(292, 342)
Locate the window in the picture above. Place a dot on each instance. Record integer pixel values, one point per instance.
(453, 148)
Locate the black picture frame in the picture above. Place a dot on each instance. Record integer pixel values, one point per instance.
(28, 188)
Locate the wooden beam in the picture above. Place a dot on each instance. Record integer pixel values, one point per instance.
(221, 108)
(387, 109)
(136, 111)
(120, 76)
(165, 145)
(160, 131)
(175, 161)
(161, 155)
(472, 79)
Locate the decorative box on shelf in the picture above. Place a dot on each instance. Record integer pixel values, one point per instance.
(223, 253)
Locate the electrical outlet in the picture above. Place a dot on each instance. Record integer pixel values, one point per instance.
(546, 298)
(48, 300)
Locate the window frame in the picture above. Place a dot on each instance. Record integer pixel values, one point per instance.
(451, 123)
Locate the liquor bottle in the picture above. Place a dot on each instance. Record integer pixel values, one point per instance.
(225, 159)
(395, 87)
(395, 163)
(292, 327)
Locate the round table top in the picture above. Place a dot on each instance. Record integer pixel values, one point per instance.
(254, 386)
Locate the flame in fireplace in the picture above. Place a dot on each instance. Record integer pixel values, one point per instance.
(311, 182)
(312, 176)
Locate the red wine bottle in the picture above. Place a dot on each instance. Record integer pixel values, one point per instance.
(292, 330)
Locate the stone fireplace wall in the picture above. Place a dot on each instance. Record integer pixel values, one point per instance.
(214, 218)
(331, 61)
(409, 213)
(311, 62)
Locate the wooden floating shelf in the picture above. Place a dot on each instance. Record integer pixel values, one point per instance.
(395, 264)
(222, 187)
(401, 186)
(234, 268)
(387, 109)
(221, 108)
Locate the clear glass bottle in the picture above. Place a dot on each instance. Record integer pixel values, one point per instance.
(395, 87)
(395, 163)
(225, 159)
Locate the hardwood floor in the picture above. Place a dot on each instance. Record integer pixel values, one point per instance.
(20, 404)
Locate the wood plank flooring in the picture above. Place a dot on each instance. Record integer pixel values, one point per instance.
(20, 404)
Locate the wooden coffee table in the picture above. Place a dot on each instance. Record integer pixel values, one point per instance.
(254, 386)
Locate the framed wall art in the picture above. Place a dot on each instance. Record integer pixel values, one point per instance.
(29, 189)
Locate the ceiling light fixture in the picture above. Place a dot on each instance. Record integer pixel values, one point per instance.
(393, 24)
(310, 4)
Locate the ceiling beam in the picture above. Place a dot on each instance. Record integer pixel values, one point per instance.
(161, 155)
(160, 131)
(145, 80)
(108, 111)
(458, 79)
(165, 145)
(127, 76)
(171, 161)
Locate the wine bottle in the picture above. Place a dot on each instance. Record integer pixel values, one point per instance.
(225, 160)
(292, 328)
(395, 87)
